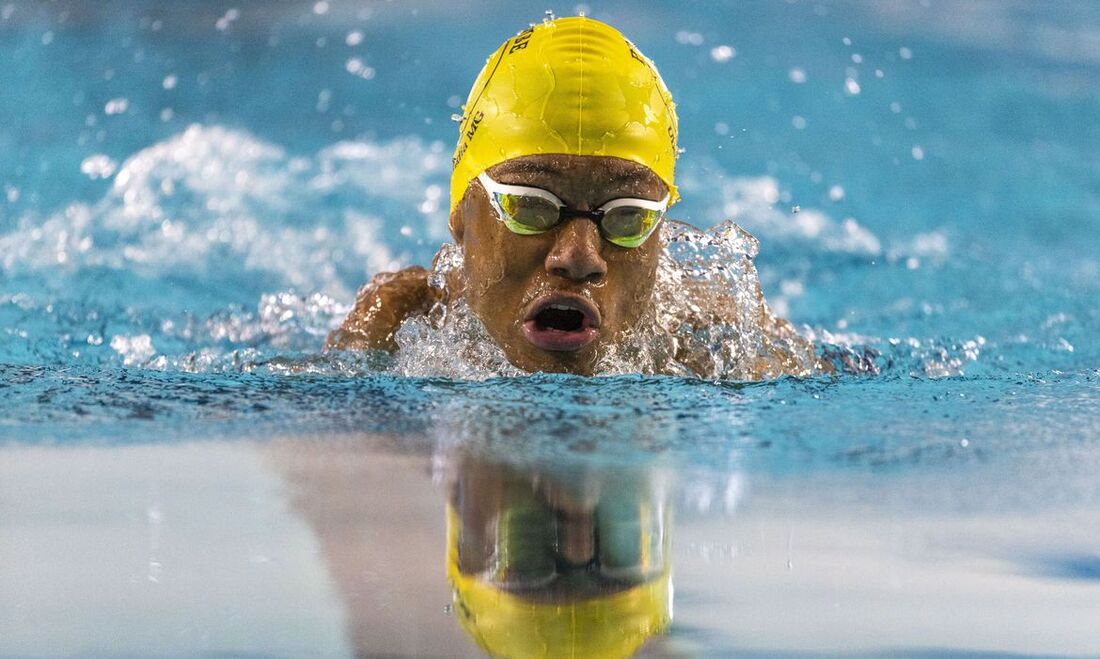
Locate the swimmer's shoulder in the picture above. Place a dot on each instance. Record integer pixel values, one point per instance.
(381, 305)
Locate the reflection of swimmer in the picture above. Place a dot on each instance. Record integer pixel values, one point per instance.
(549, 561)
(557, 564)
(562, 174)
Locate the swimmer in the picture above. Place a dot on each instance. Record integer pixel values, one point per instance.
(563, 174)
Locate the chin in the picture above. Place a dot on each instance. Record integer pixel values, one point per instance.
(535, 360)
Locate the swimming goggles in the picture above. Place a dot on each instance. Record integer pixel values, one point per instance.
(528, 211)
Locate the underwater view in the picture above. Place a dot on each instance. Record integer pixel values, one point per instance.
(193, 193)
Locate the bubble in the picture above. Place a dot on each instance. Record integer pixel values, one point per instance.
(797, 75)
(169, 81)
(918, 152)
(905, 53)
(722, 128)
(354, 38)
(320, 8)
(851, 87)
(836, 193)
(798, 122)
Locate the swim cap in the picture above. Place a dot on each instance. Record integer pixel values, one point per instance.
(570, 85)
(601, 627)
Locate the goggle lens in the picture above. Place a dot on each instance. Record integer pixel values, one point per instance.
(527, 214)
(629, 226)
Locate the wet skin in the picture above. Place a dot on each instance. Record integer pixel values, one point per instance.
(510, 278)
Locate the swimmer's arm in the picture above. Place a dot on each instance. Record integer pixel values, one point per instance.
(380, 308)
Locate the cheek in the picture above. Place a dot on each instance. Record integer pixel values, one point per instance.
(483, 264)
(634, 274)
(499, 267)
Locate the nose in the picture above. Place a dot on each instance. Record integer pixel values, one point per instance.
(576, 253)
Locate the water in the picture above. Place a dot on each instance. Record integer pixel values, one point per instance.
(189, 198)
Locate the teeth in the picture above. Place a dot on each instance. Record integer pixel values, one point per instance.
(562, 307)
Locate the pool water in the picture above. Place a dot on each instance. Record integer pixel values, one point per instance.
(190, 196)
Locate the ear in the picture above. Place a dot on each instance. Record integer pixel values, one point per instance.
(463, 209)
(457, 221)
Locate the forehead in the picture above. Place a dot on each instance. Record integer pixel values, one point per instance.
(582, 178)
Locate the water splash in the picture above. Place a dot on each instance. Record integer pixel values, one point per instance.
(708, 319)
(231, 254)
(220, 208)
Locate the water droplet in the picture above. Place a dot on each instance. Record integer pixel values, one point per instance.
(689, 38)
(457, 118)
(98, 166)
(116, 106)
(227, 19)
(548, 16)
(357, 67)
(722, 54)
(796, 209)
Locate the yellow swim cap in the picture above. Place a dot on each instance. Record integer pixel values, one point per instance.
(570, 85)
(508, 625)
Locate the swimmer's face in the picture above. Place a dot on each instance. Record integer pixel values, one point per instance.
(554, 301)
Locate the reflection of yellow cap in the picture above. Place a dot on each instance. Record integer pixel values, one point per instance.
(506, 625)
(573, 86)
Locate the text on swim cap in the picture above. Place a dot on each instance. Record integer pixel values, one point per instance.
(522, 39)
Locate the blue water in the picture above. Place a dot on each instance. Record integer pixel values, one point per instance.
(191, 193)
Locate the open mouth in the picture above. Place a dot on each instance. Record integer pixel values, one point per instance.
(561, 322)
